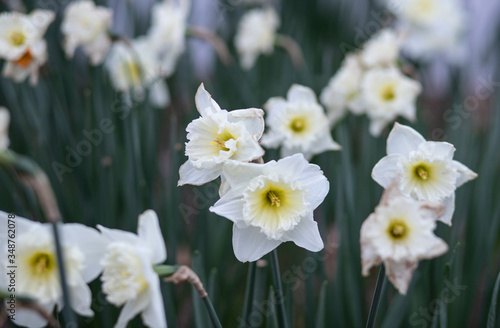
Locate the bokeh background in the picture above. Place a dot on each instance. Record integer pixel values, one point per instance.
(135, 167)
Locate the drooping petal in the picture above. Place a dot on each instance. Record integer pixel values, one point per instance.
(81, 298)
(464, 173)
(252, 118)
(449, 209)
(400, 274)
(90, 242)
(154, 313)
(301, 94)
(133, 308)
(403, 139)
(250, 244)
(386, 170)
(150, 232)
(306, 235)
(188, 174)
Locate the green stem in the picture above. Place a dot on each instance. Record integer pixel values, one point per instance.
(165, 270)
(377, 295)
(278, 290)
(211, 312)
(247, 307)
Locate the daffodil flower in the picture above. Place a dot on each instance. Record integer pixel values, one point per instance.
(219, 137)
(22, 43)
(386, 94)
(86, 25)
(400, 234)
(4, 128)
(129, 278)
(37, 266)
(256, 35)
(381, 50)
(424, 170)
(298, 124)
(272, 203)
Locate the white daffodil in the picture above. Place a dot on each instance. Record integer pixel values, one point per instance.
(133, 69)
(272, 203)
(37, 266)
(129, 278)
(4, 128)
(423, 170)
(86, 25)
(386, 94)
(298, 124)
(168, 32)
(219, 137)
(22, 44)
(431, 27)
(343, 90)
(256, 35)
(399, 234)
(381, 50)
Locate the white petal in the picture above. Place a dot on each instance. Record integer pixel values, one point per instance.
(403, 139)
(133, 308)
(271, 139)
(252, 118)
(312, 178)
(400, 274)
(377, 125)
(299, 93)
(229, 206)
(249, 244)
(436, 247)
(154, 314)
(81, 299)
(30, 318)
(91, 243)
(306, 235)
(324, 144)
(442, 149)
(149, 231)
(386, 170)
(238, 174)
(204, 102)
(464, 173)
(369, 257)
(293, 165)
(275, 104)
(449, 204)
(118, 235)
(188, 174)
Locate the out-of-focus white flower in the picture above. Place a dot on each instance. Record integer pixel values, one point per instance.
(37, 266)
(4, 128)
(423, 170)
(256, 35)
(298, 124)
(219, 137)
(431, 27)
(386, 94)
(168, 32)
(272, 203)
(381, 50)
(22, 43)
(399, 234)
(86, 24)
(134, 68)
(343, 90)
(129, 277)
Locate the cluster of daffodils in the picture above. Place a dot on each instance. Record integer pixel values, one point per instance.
(22, 45)
(420, 178)
(370, 82)
(124, 261)
(430, 27)
(268, 203)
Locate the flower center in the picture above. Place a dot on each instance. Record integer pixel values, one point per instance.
(42, 263)
(398, 230)
(298, 125)
(17, 38)
(122, 277)
(422, 172)
(388, 93)
(273, 199)
(133, 72)
(220, 140)
(25, 59)
(273, 204)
